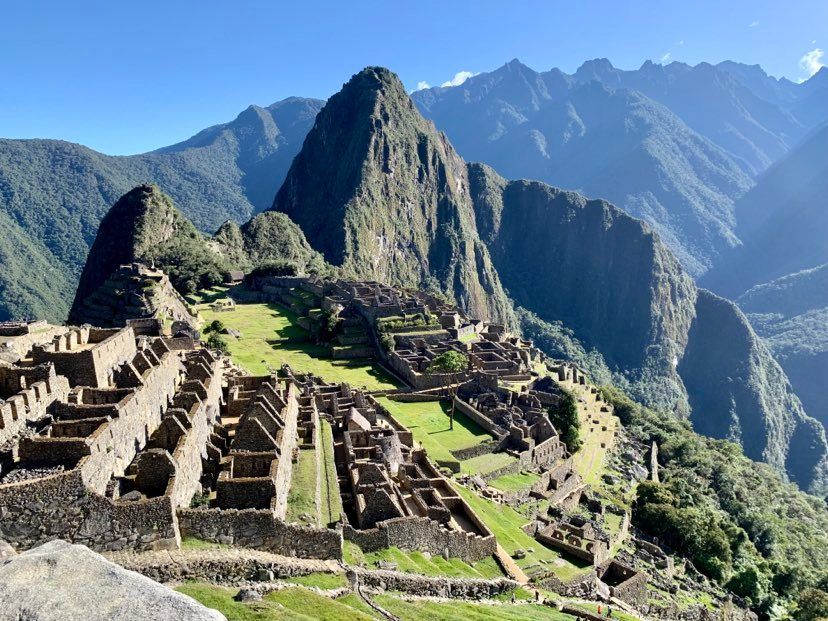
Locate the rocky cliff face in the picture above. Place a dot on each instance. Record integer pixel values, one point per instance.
(738, 391)
(384, 196)
(610, 279)
(791, 315)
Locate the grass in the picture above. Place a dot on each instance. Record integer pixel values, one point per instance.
(301, 604)
(590, 460)
(484, 464)
(429, 422)
(450, 611)
(301, 502)
(193, 543)
(514, 482)
(506, 525)
(295, 603)
(320, 580)
(331, 508)
(270, 337)
(419, 563)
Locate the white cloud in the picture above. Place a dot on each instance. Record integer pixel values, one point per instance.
(753, 24)
(811, 62)
(681, 42)
(422, 85)
(459, 78)
(665, 58)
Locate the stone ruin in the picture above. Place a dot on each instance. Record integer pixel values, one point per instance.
(392, 494)
(132, 291)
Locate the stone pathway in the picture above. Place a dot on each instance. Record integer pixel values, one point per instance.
(510, 566)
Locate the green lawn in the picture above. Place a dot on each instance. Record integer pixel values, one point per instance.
(320, 580)
(301, 503)
(451, 611)
(429, 422)
(193, 543)
(484, 464)
(506, 525)
(331, 500)
(418, 563)
(301, 604)
(271, 337)
(514, 482)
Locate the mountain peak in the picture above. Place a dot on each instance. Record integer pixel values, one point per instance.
(382, 194)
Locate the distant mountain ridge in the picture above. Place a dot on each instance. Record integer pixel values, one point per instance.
(675, 145)
(53, 194)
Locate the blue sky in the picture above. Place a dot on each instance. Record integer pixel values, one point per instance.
(127, 77)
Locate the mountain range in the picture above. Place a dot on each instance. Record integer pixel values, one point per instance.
(674, 145)
(380, 193)
(53, 195)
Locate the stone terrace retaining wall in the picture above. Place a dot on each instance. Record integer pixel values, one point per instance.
(260, 529)
(465, 588)
(230, 566)
(424, 535)
(60, 506)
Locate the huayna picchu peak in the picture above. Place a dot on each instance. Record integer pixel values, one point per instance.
(523, 344)
(383, 195)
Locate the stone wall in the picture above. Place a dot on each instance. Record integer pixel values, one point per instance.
(289, 438)
(463, 588)
(424, 535)
(260, 529)
(30, 404)
(60, 506)
(479, 418)
(88, 356)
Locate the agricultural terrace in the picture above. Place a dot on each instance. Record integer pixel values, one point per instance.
(430, 424)
(270, 337)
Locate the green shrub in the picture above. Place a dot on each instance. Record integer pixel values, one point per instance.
(564, 417)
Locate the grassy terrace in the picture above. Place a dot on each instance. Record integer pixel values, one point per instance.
(429, 422)
(506, 525)
(297, 603)
(271, 337)
(590, 460)
(331, 500)
(514, 482)
(419, 563)
(301, 503)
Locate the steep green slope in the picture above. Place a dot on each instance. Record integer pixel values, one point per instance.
(43, 293)
(783, 222)
(55, 193)
(144, 226)
(608, 278)
(381, 194)
(775, 535)
(738, 391)
(791, 315)
(268, 236)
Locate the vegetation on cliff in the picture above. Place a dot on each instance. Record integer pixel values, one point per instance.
(384, 196)
(737, 520)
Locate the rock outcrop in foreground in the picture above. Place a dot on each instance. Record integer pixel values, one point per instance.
(64, 582)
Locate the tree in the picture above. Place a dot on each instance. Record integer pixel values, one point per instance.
(217, 343)
(812, 604)
(564, 417)
(449, 364)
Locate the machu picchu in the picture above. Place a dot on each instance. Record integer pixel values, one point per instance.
(410, 352)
